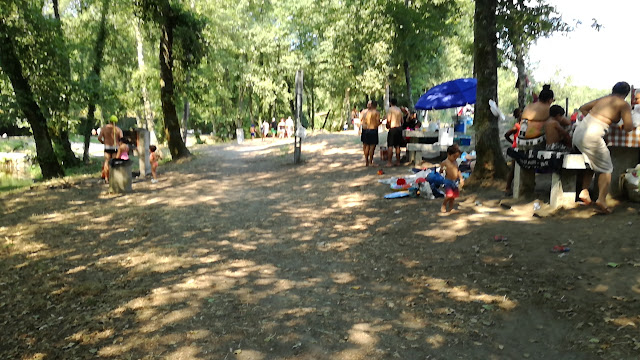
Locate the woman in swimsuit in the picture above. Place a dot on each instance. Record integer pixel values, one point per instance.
(123, 150)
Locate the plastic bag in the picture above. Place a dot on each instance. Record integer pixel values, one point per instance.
(301, 132)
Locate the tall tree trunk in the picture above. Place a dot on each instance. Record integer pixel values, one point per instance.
(490, 162)
(24, 96)
(407, 77)
(347, 102)
(522, 76)
(177, 147)
(146, 105)
(312, 90)
(61, 127)
(94, 79)
(185, 110)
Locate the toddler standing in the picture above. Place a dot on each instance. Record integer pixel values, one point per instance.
(153, 159)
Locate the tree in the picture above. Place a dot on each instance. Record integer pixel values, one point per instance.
(60, 128)
(93, 78)
(187, 29)
(520, 24)
(12, 67)
(490, 162)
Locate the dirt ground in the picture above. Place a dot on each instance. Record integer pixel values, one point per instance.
(238, 254)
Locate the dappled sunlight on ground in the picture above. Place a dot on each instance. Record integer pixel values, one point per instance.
(238, 254)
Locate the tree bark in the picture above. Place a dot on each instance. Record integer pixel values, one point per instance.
(94, 80)
(186, 109)
(490, 162)
(407, 76)
(146, 105)
(177, 147)
(24, 96)
(522, 77)
(61, 128)
(312, 89)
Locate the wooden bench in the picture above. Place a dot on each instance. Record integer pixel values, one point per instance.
(564, 166)
(416, 150)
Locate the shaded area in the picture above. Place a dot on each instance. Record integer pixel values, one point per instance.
(238, 254)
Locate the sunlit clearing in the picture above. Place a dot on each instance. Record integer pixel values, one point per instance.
(364, 334)
(461, 293)
(339, 151)
(350, 200)
(622, 322)
(600, 288)
(245, 354)
(342, 278)
(436, 341)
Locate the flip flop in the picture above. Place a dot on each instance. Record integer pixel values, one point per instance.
(601, 209)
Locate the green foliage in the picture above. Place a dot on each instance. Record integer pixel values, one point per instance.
(520, 23)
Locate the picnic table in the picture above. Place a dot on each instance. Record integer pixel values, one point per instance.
(625, 153)
(415, 148)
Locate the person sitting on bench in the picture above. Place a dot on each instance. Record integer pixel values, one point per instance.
(557, 138)
(534, 117)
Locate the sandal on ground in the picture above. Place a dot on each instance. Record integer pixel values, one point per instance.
(601, 209)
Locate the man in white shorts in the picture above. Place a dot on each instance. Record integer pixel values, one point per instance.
(589, 139)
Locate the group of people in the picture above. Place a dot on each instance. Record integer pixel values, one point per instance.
(116, 147)
(544, 126)
(396, 120)
(282, 129)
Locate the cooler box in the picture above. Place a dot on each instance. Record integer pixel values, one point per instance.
(460, 127)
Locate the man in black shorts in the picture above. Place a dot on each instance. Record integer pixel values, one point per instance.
(369, 136)
(110, 136)
(394, 124)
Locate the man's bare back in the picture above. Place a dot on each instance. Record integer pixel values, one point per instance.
(106, 135)
(555, 133)
(394, 117)
(609, 109)
(371, 119)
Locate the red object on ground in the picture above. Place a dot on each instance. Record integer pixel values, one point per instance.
(380, 172)
(401, 181)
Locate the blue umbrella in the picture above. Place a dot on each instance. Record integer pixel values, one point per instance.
(447, 95)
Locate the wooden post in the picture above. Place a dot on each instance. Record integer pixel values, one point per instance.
(297, 146)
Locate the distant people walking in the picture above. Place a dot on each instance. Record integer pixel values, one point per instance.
(253, 131)
(274, 127)
(265, 129)
(369, 135)
(281, 128)
(289, 126)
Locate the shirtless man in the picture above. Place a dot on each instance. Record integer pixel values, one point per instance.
(534, 117)
(110, 135)
(363, 113)
(394, 124)
(589, 139)
(369, 136)
(558, 139)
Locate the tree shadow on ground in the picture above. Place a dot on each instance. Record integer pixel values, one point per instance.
(239, 254)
